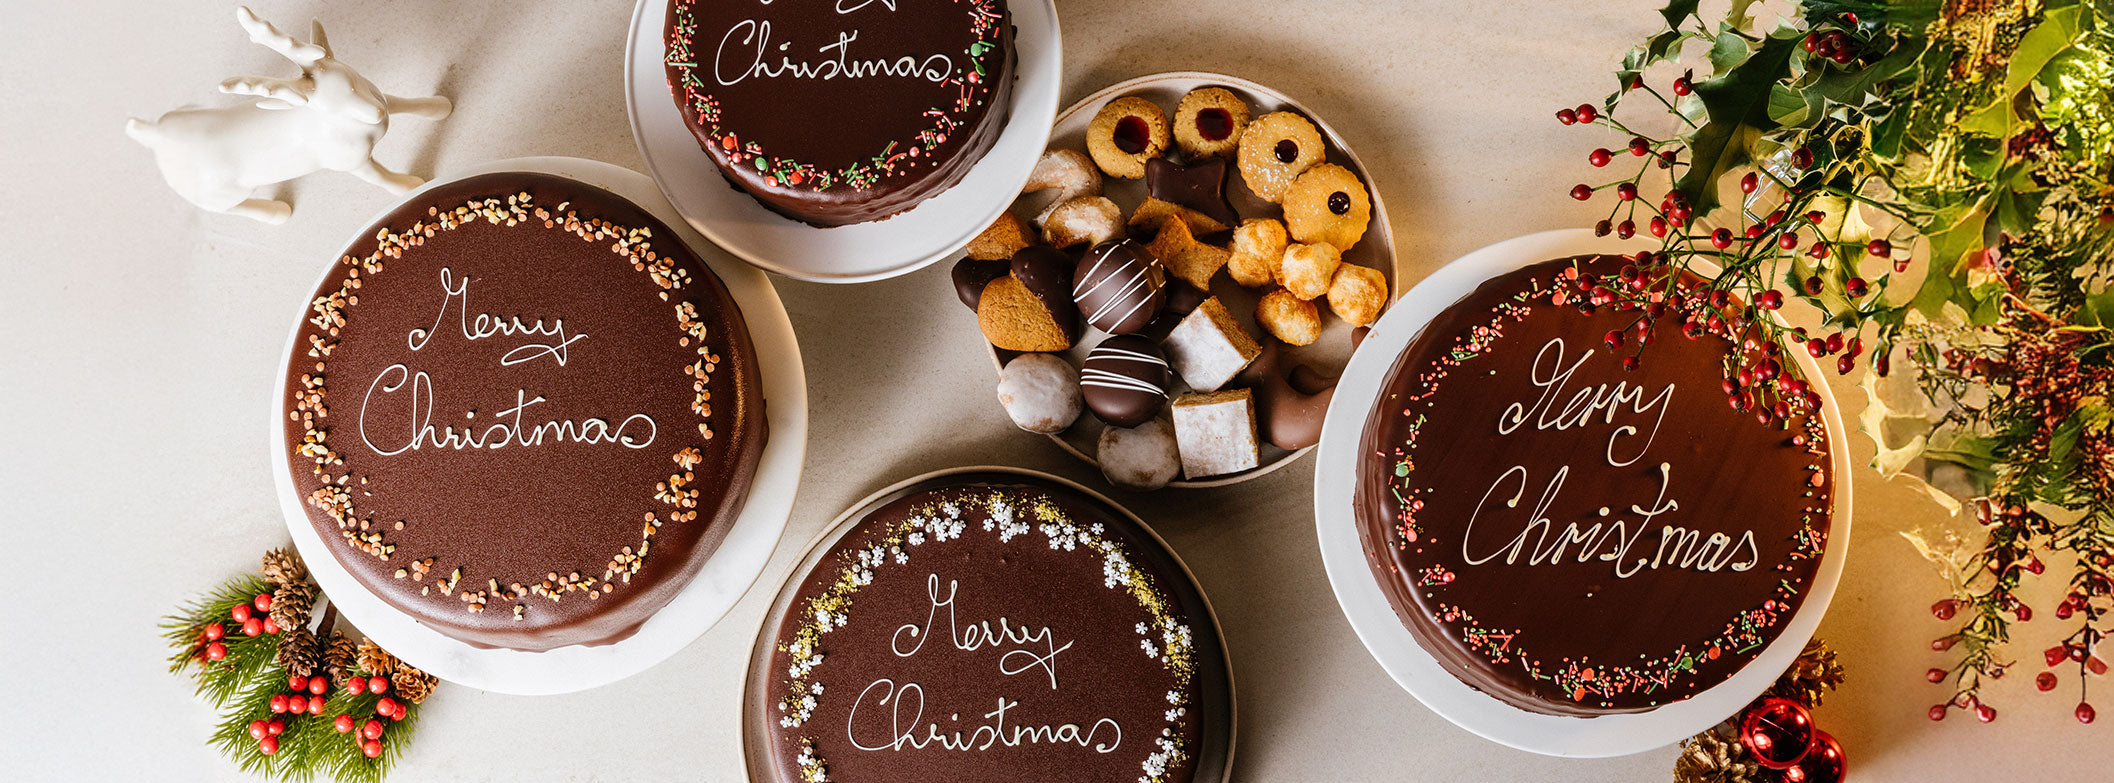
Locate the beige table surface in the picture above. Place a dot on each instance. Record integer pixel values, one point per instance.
(139, 339)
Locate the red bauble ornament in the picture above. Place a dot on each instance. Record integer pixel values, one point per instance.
(1823, 763)
(1777, 731)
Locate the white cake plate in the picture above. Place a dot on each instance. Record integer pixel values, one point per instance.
(728, 574)
(1335, 517)
(758, 720)
(937, 228)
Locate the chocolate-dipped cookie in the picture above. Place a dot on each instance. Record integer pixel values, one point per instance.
(971, 275)
(1047, 274)
(1125, 380)
(1117, 287)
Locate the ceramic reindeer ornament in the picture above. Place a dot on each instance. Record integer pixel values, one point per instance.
(329, 118)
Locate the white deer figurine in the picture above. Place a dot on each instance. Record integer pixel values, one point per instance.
(330, 118)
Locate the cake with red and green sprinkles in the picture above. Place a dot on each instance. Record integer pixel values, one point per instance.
(834, 112)
(1567, 508)
(992, 627)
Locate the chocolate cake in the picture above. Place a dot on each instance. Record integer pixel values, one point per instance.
(1573, 538)
(990, 627)
(834, 112)
(522, 412)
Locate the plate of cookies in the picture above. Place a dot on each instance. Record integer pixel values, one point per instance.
(1186, 271)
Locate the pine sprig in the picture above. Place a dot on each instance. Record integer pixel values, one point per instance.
(244, 683)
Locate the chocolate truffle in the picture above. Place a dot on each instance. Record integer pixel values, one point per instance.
(1125, 380)
(1118, 287)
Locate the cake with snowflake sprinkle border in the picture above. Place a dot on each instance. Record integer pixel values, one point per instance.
(1575, 534)
(991, 627)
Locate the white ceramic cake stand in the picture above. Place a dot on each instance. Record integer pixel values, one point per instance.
(935, 229)
(728, 574)
(758, 720)
(1335, 517)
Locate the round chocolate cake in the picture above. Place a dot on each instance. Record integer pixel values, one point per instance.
(522, 412)
(1573, 538)
(834, 112)
(990, 627)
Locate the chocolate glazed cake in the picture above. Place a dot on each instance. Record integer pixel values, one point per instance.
(834, 112)
(988, 627)
(522, 412)
(1576, 539)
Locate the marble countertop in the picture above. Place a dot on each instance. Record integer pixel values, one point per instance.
(139, 339)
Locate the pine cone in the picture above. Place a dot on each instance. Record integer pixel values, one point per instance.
(1811, 676)
(375, 660)
(339, 657)
(283, 567)
(291, 605)
(411, 683)
(1711, 757)
(297, 651)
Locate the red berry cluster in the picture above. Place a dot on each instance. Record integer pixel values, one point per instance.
(370, 731)
(250, 619)
(1761, 240)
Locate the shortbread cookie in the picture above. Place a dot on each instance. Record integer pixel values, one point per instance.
(1274, 149)
(1327, 203)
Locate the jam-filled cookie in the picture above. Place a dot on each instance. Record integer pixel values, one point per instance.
(1327, 204)
(1208, 122)
(1274, 149)
(1127, 132)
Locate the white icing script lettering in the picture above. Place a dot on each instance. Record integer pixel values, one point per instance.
(980, 635)
(904, 731)
(488, 325)
(1537, 540)
(745, 50)
(636, 431)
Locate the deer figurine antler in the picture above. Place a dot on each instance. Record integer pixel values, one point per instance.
(329, 118)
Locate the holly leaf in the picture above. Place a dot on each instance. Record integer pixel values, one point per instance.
(1728, 51)
(1953, 245)
(1735, 108)
(1677, 11)
(1788, 105)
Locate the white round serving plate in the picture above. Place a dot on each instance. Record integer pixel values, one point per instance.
(1328, 354)
(724, 577)
(934, 229)
(757, 723)
(1391, 643)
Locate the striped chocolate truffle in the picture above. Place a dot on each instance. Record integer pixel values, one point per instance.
(1125, 380)
(1118, 287)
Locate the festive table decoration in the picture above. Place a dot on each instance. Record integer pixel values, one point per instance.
(329, 118)
(1936, 180)
(1774, 739)
(253, 653)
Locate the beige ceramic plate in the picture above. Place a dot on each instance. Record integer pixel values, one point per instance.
(1328, 354)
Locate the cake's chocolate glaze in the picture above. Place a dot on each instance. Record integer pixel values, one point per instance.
(1569, 636)
(1033, 585)
(520, 513)
(768, 80)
